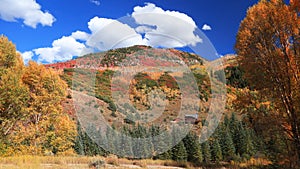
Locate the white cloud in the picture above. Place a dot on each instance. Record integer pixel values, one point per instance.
(110, 33)
(153, 27)
(79, 35)
(173, 29)
(62, 49)
(206, 27)
(27, 56)
(27, 10)
(161, 28)
(143, 29)
(95, 2)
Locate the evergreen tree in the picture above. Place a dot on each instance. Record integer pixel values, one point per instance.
(248, 148)
(125, 144)
(236, 129)
(158, 140)
(167, 155)
(85, 145)
(79, 142)
(176, 134)
(206, 152)
(110, 135)
(193, 148)
(179, 152)
(233, 125)
(216, 151)
(238, 138)
(149, 143)
(226, 121)
(228, 149)
(140, 149)
(162, 143)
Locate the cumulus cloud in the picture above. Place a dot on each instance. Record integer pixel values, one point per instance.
(153, 26)
(27, 10)
(109, 33)
(95, 2)
(206, 27)
(80, 35)
(62, 49)
(172, 28)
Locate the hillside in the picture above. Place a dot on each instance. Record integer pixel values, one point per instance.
(92, 74)
(114, 57)
(105, 98)
(135, 102)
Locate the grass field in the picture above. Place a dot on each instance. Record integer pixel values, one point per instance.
(57, 162)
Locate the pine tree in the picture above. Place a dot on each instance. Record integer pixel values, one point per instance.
(92, 135)
(238, 137)
(125, 144)
(248, 148)
(79, 142)
(176, 134)
(140, 149)
(233, 125)
(236, 129)
(163, 142)
(110, 135)
(193, 147)
(228, 149)
(158, 140)
(179, 152)
(226, 121)
(206, 152)
(167, 155)
(216, 151)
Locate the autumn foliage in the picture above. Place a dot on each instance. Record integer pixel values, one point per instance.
(268, 45)
(31, 116)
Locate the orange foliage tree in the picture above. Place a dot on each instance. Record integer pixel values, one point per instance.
(268, 48)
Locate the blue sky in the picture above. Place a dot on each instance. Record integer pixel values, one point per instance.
(50, 31)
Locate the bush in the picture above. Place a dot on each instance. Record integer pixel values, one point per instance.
(112, 107)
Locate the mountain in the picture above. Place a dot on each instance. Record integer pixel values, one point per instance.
(93, 74)
(113, 58)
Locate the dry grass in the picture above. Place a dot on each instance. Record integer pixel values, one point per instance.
(37, 162)
(57, 162)
(82, 162)
(112, 160)
(49, 159)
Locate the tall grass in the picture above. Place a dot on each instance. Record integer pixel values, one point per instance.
(82, 162)
(38, 162)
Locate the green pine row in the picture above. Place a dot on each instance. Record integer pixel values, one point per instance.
(232, 140)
